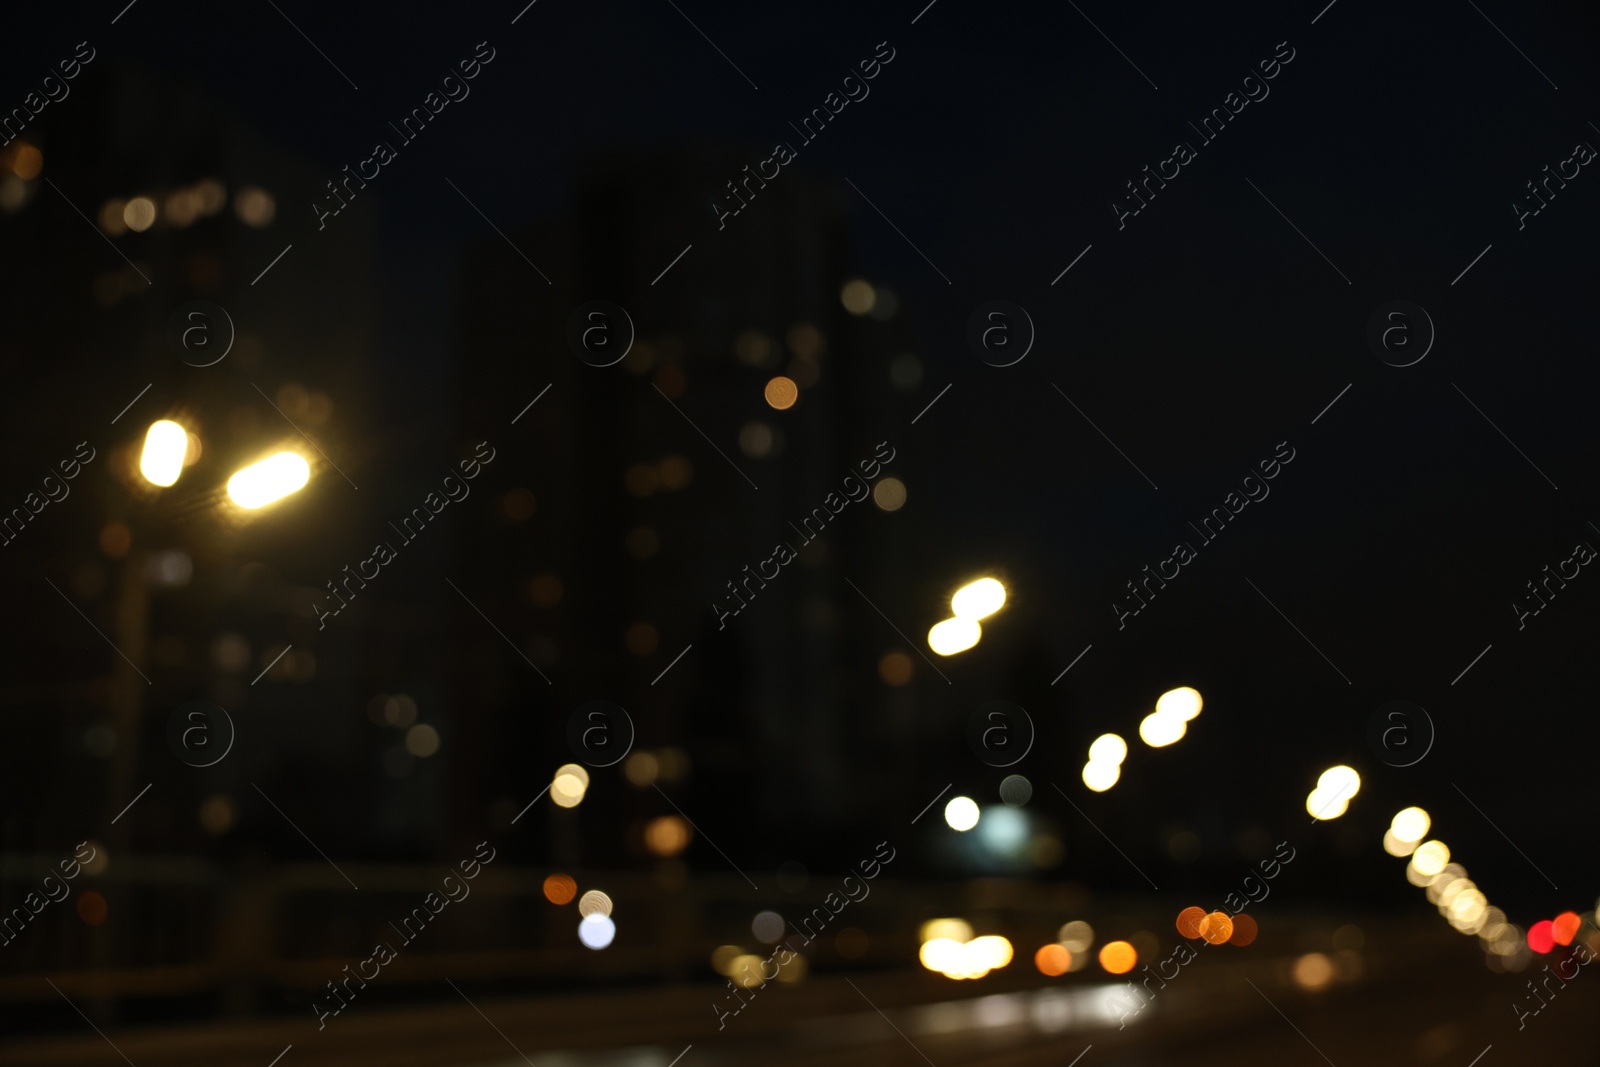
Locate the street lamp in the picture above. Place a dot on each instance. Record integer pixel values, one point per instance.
(166, 445)
(271, 479)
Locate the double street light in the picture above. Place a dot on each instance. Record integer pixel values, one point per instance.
(167, 449)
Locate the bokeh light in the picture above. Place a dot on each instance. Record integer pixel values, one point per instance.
(1216, 928)
(596, 931)
(1410, 824)
(947, 929)
(1335, 788)
(1541, 936)
(961, 813)
(1053, 960)
(1189, 920)
(422, 740)
(165, 445)
(1182, 703)
(92, 907)
(139, 214)
(1312, 971)
(560, 888)
(271, 479)
(1108, 748)
(1159, 731)
(1118, 957)
(1430, 858)
(767, 926)
(1244, 931)
(954, 635)
(1100, 776)
(781, 393)
(1076, 937)
(594, 902)
(858, 296)
(1565, 927)
(889, 494)
(978, 600)
(666, 835)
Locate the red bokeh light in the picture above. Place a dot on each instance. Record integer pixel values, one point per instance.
(1541, 936)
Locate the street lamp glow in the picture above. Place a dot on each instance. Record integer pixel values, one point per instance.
(1411, 824)
(272, 479)
(1183, 703)
(978, 600)
(1108, 748)
(1159, 729)
(1101, 775)
(961, 813)
(165, 446)
(954, 635)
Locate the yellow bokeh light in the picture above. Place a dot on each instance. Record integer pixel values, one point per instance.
(1322, 805)
(1394, 846)
(272, 479)
(889, 494)
(1430, 858)
(722, 958)
(1158, 730)
(781, 393)
(26, 161)
(667, 835)
(1100, 775)
(139, 214)
(858, 296)
(641, 769)
(594, 902)
(745, 970)
(566, 791)
(577, 770)
(978, 600)
(1118, 957)
(946, 929)
(941, 954)
(165, 445)
(954, 635)
(961, 813)
(1183, 703)
(1108, 748)
(1313, 971)
(422, 740)
(1340, 782)
(1411, 824)
(991, 951)
(254, 206)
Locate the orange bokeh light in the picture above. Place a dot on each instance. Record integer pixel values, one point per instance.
(1118, 957)
(781, 393)
(1565, 927)
(1216, 928)
(560, 889)
(92, 908)
(1244, 931)
(1053, 960)
(1189, 922)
